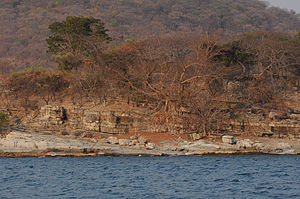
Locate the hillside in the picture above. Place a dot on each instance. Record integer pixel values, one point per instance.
(25, 23)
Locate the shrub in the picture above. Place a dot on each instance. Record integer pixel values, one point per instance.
(35, 83)
(298, 37)
(4, 119)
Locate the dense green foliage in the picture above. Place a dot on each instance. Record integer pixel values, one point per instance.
(298, 37)
(33, 70)
(74, 38)
(4, 119)
(74, 35)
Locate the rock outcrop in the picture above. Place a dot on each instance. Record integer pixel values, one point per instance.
(122, 122)
(112, 122)
(196, 136)
(25, 142)
(36, 143)
(228, 139)
(18, 142)
(112, 140)
(245, 144)
(124, 142)
(52, 116)
(82, 130)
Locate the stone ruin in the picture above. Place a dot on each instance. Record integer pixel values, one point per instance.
(118, 122)
(52, 116)
(83, 119)
(113, 122)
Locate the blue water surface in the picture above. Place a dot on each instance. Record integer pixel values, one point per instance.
(249, 176)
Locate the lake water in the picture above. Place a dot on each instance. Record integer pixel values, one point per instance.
(237, 176)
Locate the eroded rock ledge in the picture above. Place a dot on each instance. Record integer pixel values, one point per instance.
(57, 131)
(23, 144)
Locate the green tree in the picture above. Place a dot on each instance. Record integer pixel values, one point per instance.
(298, 37)
(3, 119)
(76, 38)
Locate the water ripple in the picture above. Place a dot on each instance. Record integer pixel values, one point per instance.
(151, 177)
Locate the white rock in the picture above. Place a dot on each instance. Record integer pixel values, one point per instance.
(142, 139)
(196, 136)
(133, 142)
(272, 115)
(283, 145)
(138, 146)
(246, 143)
(103, 140)
(150, 146)
(294, 117)
(258, 145)
(124, 142)
(94, 140)
(228, 139)
(112, 140)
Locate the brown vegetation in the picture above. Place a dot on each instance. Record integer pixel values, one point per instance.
(25, 22)
(34, 84)
(192, 83)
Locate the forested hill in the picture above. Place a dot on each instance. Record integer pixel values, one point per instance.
(24, 23)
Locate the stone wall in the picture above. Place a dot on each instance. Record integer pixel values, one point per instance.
(91, 120)
(113, 122)
(116, 122)
(123, 122)
(282, 129)
(51, 116)
(78, 118)
(74, 118)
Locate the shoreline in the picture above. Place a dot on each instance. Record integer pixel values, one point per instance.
(139, 153)
(23, 144)
(52, 154)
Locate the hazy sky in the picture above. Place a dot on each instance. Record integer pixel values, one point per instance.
(288, 4)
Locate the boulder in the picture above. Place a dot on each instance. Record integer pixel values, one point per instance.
(258, 146)
(150, 146)
(138, 146)
(124, 142)
(133, 142)
(283, 145)
(228, 139)
(142, 139)
(245, 144)
(295, 117)
(133, 137)
(103, 140)
(112, 140)
(93, 140)
(273, 115)
(196, 136)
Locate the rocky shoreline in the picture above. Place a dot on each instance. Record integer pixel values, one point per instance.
(24, 144)
(58, 131)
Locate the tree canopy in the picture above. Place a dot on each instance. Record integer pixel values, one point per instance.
(74, 38)
(298, 37)
(3, 119)
(26, 22)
